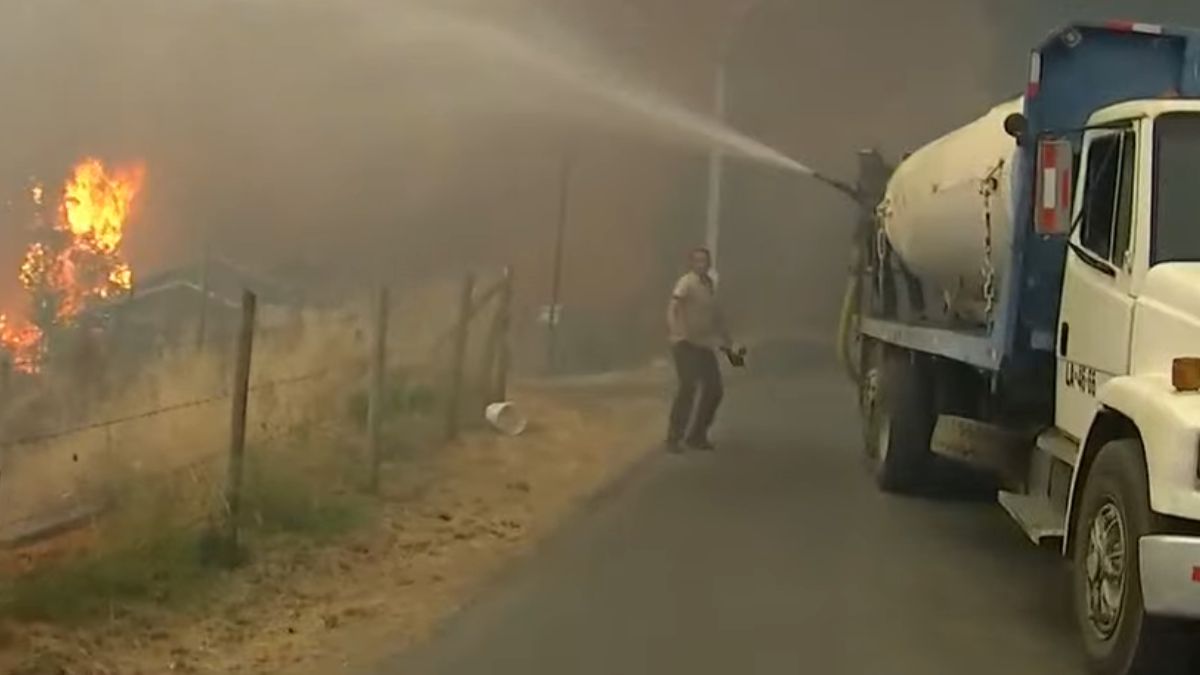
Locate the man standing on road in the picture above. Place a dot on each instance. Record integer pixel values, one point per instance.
(697, 329)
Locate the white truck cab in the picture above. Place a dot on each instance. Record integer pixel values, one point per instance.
(1131, 285)
(1130, 309)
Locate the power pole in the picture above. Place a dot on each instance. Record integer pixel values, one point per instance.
(716, 169)
(554, 313)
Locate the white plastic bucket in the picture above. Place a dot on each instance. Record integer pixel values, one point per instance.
(506, 419)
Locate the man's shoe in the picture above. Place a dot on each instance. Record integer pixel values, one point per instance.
(673, 446)
(701, 444)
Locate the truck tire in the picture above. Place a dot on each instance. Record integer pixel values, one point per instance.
(898, 408)
(1114, 513)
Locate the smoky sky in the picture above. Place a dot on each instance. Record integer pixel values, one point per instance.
(296, 139)
(301, 140)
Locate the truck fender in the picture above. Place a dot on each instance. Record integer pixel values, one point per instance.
(1166, 422)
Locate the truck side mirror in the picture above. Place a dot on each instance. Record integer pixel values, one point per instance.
(1055, 160)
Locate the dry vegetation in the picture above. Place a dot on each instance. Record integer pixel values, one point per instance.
(335, 579)
(136, 588)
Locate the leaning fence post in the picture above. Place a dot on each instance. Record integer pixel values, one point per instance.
(237, 426)
(461, 333)
(491, 347)
(504, 326)
(375, 396)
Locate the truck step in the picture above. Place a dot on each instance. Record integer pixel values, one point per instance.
(1036, 515)
(1060, 446)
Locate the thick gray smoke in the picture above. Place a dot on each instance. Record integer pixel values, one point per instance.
(304, 145)
(829, 78)
(1027, 22)
(268, 125)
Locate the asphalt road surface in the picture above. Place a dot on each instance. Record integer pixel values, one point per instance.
(773, 555)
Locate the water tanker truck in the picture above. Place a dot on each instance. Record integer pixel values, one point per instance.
(1025, 300)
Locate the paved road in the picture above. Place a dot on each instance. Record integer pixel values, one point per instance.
(774, 555)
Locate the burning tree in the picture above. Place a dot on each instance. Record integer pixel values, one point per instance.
(76, 259)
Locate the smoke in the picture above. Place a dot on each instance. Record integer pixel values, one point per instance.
(282, 131)
(829, 78)
(618, 100)
(1028, 22)
(315, 141)
(300, 142)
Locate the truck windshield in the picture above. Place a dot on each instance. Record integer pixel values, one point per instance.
(1176, 230)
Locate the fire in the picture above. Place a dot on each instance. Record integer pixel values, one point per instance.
(23, 344)
(78, 258)
(35, 266)
(96, 204)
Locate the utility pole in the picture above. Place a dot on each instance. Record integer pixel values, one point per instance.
(716, 158)
(554, 313)
(716, 168)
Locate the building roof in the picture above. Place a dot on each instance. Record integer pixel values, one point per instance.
(224, 279)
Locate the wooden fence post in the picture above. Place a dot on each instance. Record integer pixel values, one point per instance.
(499, 386)
(375, 393)
(6, 374)
(491, 346)
(461, 334)
(237, 428)
(202, 323)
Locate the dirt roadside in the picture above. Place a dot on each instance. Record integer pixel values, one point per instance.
(444, 526)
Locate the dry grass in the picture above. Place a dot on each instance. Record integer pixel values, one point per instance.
(356, 579)
(147, 559)
(94, 465)
(307, 370)
(162, 542)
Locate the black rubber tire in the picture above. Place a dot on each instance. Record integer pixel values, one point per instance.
(903, 404)
(1139, 644)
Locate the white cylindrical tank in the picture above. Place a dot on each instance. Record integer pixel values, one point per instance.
(939, 207)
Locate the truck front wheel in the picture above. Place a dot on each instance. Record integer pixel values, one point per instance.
(1114, 514)
(897, 400)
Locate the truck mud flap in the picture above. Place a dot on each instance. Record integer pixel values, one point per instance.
(987, 447)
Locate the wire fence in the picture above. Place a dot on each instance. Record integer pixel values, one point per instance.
(179, 443)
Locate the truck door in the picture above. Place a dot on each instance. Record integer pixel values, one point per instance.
(1097, 309)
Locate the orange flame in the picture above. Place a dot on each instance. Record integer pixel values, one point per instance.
(96, 205)
(81, 259)
(23, 344)
(36, 265)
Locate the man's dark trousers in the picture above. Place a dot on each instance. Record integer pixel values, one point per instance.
(698, 370)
